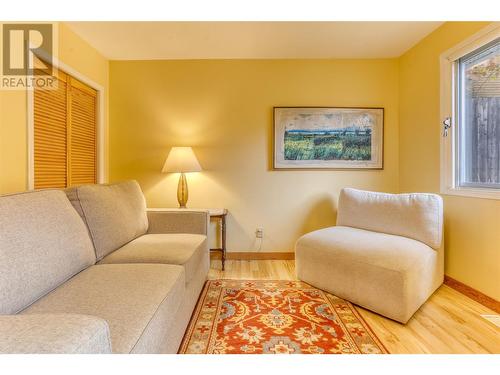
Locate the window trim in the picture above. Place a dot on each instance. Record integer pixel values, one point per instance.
(56, 63)
(448, 96)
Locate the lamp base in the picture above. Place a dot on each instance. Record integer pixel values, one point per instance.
(182, 191)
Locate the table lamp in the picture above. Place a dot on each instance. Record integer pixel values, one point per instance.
(181, 160)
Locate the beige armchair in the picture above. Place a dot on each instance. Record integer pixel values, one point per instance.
(385, 254)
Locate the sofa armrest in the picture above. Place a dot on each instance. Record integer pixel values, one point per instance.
(178, 221)
(54, 334)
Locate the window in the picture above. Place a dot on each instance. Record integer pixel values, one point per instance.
(64, 134)
(470, 109)
(478, 100)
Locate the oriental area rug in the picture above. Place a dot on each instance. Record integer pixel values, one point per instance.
(275, 317)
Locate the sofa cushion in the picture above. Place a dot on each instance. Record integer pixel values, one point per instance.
(115, 214)
(54, 334)
(43, 242)
(138, 301)
(187, 250)
(389, 274)
(418, 216)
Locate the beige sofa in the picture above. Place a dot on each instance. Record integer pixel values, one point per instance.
(97, 273)
(385, 254)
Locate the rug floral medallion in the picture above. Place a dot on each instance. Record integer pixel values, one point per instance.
(275, 317)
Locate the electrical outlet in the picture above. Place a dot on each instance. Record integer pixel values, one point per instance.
(259, 233)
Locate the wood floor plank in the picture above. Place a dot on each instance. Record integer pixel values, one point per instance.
(449, 322)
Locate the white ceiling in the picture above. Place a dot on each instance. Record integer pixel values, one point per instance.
(251, 40)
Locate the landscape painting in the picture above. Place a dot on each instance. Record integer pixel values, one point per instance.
(328, 138)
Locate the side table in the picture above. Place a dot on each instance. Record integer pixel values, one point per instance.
(220, 215)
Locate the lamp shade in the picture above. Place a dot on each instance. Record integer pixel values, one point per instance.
(181, 159)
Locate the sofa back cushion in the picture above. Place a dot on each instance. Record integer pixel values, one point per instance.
(115, 214)
(417, 216)
(43, 242)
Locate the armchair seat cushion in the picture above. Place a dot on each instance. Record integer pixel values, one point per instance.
(138, 301)
(389, 274)
(187, 250)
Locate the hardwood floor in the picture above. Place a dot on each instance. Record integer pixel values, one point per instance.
(449, 322)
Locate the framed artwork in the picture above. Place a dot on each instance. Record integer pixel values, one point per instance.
(328, 138)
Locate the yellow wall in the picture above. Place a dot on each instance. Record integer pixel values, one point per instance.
(223, 108)
(472, 226)
(77, 54)
(13, 142)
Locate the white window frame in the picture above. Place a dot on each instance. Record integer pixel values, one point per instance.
(449, 64)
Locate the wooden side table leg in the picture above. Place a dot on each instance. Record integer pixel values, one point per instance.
(223, 227)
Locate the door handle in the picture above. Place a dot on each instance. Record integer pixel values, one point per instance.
(446, 126)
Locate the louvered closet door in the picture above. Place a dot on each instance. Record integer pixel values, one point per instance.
(50, 138)
(82, 134)
(65, 136)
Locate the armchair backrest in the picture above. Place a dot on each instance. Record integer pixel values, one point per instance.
(418, 216)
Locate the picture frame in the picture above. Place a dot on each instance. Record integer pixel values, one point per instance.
(328, 138)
